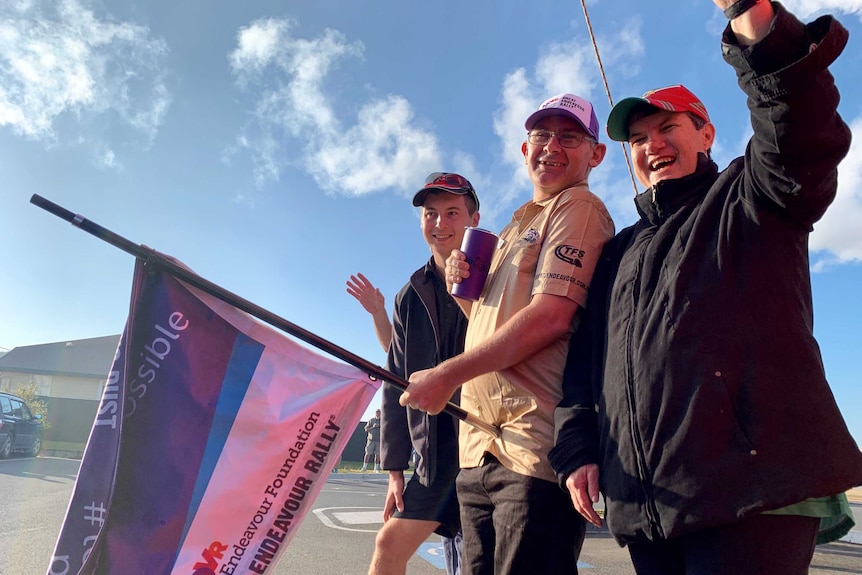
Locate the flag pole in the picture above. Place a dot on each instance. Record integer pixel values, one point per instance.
(151, 256)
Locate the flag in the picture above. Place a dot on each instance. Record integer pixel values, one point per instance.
(213, 437)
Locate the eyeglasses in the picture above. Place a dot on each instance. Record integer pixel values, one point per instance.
(566, 139)
(448, 181)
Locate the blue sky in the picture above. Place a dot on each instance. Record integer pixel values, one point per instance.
(274, 146)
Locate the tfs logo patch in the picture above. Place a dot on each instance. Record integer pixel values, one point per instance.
(570, 254)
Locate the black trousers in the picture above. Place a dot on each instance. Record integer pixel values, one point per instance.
(516, 525)
(758, 545)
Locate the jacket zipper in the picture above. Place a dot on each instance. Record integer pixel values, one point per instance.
(655, 201)
(430, 462)
(637, 442)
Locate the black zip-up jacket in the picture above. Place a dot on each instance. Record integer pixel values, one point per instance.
(416, 345)
(696, 383)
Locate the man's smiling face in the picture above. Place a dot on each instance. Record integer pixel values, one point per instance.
(665, 145)
(553, 168)
(444, 217)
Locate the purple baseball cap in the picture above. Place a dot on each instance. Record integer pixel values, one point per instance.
(570, 106)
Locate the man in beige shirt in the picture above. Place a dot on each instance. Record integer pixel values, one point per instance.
(515, 517)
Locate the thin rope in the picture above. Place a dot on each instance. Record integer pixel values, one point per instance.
(608, 92)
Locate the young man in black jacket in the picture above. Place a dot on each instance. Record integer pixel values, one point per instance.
(687, 387)
(428, 328)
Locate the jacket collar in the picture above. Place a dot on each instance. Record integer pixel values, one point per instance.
(662, 200)
(430, 270)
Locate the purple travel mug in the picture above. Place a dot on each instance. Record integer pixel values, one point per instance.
(478, 245)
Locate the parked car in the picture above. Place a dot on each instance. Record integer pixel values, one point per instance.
(20, 430)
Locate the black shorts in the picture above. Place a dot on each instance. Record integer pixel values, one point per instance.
(437, 502)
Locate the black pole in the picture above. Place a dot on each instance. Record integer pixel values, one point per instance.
(152, 256)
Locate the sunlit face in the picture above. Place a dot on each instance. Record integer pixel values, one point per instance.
(553, 168)
(665, 146)
(444, 217)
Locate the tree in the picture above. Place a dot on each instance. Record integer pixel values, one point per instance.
(38, 406)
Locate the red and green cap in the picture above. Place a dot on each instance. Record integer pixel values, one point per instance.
(672, 99)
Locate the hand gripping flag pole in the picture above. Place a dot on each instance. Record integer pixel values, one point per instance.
(154, 257)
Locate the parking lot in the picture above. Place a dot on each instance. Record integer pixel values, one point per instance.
(337, 538)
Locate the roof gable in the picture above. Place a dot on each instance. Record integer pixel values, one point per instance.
(82, 357)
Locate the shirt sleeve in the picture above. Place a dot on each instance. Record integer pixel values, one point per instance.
(578, 227)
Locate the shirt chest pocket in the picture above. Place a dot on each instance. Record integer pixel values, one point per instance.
(525, 258)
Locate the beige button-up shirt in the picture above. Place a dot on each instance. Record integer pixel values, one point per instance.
(549, 247)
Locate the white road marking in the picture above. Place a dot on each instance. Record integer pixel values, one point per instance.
(368, 516)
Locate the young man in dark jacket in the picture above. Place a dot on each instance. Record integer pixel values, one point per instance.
(715, 429)
(428, 328)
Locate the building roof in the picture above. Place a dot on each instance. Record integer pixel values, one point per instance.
(81, 357)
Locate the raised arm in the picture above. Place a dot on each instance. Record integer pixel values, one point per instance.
(374, 303)
(799, 137)
(750, 25)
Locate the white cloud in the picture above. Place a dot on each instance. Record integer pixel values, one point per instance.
(258, 44)
(837, 238)
(518, 102)
(265, 152)
(806, 8)
(66, 61)
(106, 158)
(383, 149)
(568, 67)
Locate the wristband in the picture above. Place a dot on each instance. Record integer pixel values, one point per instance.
(738, 8)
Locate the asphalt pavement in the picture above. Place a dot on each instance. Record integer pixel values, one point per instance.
(336, 538)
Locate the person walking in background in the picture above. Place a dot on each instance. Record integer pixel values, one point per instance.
(372, 445)
(428, 327)
(717, 442)
(374, 303)
(514, 516)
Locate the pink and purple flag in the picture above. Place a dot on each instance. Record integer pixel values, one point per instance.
(213, 437)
